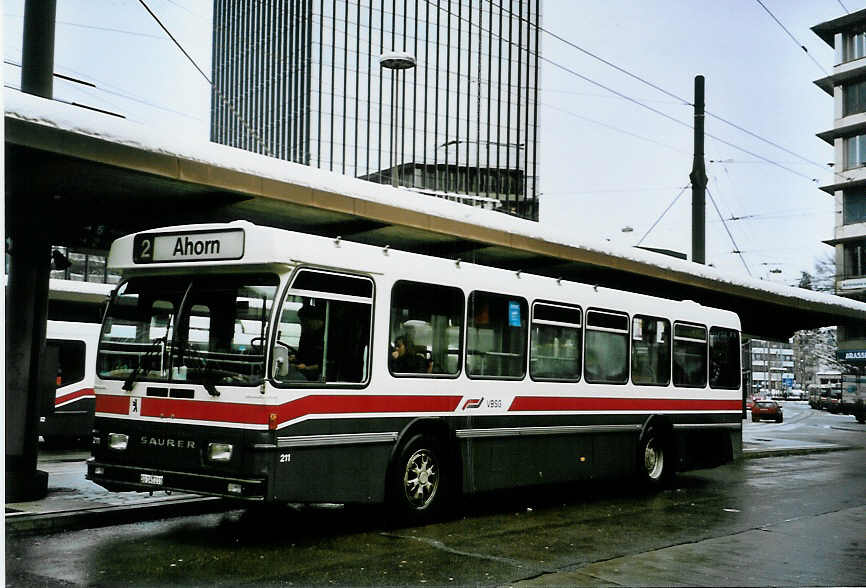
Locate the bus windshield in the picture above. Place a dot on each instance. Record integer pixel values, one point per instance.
(201, 330)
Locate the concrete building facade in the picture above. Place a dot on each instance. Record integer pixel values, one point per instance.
(303, 80)
(772, 364)
(847, 85)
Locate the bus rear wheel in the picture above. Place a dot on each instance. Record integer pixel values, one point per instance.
(418, 480)
(655, 459)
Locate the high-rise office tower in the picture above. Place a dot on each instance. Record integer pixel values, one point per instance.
(305, 81)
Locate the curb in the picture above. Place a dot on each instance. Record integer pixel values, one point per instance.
(793, 450)
(21, 524)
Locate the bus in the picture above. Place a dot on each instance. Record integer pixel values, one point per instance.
(268, 365)
(854, 396)
(74, 315)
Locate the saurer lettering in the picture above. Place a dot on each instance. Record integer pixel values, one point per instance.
(187, 246)
(164, 442)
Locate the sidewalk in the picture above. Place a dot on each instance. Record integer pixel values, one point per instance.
(76, 503)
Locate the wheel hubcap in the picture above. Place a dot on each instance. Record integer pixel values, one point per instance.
(421, 479)
(654, 459)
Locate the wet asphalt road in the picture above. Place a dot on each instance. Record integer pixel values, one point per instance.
(794, 520)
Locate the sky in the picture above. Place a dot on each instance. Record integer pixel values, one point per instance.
(614, 153)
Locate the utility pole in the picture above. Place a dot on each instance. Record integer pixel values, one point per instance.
(698, 178)
(37, 53)
(29, 366)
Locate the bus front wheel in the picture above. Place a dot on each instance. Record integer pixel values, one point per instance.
(418, 480)
(655, 459)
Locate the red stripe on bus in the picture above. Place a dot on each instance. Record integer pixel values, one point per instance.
(331, 404)
(228, 412)
(543, 403)
(112, 404)
(259, 414)
(82, 393)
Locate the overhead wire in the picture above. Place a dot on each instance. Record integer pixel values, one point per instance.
(675, 97)
(658, 220)
(546, 31)
(96, 28)
(612, 190)
(106, 88)
(219, 93)
(736, 247)
(612, 127)
(677, 121)
(568, 70)
(793, 38)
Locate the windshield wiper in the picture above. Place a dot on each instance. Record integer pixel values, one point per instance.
(206, 371)
(129, 383)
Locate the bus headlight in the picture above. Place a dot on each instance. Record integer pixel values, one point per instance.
(219, 451)
(118, 441)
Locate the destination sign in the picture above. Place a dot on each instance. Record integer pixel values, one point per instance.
(193, 246)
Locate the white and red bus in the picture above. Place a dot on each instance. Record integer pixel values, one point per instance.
(74, 314)
(267, 365)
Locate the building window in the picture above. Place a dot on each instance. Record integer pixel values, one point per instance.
(854, 208)
(855, 259)
(850, 332)
(855, 151)
(855, 46)
(854, 98)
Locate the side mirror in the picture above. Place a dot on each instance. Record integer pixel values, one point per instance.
(281, 362)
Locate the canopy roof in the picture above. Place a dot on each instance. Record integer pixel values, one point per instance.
(87, 178)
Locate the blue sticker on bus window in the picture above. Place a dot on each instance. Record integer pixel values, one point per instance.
(513, 314)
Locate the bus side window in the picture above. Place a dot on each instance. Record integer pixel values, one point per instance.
(724, 358)
(496, 336)
(426, 329)
(70, 364)
(690, 356)
(325, 328)
(555, 348)
(606, 360)
(650, 351)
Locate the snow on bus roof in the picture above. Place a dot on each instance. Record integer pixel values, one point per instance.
(123, 132)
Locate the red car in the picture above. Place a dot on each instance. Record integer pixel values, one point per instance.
(769, 410)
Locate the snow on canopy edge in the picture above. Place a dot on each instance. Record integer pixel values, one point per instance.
(93, 124)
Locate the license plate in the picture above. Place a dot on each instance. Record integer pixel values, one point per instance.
(151, 479)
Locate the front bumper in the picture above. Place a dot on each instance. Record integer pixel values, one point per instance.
(122, 477)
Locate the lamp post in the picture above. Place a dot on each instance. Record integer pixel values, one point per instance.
(395, 61)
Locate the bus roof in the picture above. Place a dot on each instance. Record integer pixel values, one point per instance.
(229, 246)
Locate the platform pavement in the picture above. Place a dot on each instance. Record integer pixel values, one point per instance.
(73, 502)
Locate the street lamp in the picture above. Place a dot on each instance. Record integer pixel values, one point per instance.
(395, 61)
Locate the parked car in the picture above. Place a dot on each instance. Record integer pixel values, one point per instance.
(768, 410)
(834, 404)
